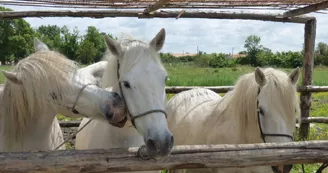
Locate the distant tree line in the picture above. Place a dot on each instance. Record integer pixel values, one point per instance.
(255, 55)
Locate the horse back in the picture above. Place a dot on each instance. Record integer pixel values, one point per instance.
(188, 108)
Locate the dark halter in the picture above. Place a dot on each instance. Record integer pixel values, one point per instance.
(263, 135)
(127, 108)
(77, 98)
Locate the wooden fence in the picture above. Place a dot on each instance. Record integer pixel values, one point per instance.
(195, 156)
(224, 89)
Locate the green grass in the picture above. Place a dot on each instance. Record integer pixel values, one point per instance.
(190, 75)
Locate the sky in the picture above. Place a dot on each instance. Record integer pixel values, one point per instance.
(185, 35)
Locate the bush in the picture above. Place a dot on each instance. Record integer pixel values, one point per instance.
(215, 61)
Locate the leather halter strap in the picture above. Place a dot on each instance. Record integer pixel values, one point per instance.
(77, 98)
(263, 135)
(127, 107)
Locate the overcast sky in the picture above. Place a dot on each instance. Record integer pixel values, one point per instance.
(209, 35)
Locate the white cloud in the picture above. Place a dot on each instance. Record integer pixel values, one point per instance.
(209, 35)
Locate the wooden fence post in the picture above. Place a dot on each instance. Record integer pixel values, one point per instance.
(307, 73)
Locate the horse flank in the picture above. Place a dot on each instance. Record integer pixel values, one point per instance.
(41, 75)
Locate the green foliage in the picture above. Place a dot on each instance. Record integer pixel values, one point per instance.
(93, 37)
(215, 60)
(50, 35)
(16, 38)
(86, 52)
(70, 43)
(321, 54)
(253, 46)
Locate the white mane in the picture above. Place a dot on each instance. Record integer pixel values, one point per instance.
(44, 75)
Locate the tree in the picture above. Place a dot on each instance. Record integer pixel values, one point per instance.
(93, 36)
(70, 43)
(16, 39)
(321, 54)
(86, 52)
(253, 46)
(50, 35)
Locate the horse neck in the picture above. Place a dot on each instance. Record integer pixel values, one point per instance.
(42, 133)
(243, 122)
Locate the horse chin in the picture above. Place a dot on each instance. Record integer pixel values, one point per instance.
(282, 169)
(119, 124)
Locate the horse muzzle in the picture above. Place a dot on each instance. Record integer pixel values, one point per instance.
(116, 111)
(282, 168)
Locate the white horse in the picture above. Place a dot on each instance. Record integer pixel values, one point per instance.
(42, 85)
(261, 108)
(135, 71)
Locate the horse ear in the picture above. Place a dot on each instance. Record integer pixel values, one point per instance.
(294, 75)
(158, 41)
(113, 46)
(260, 77)
(39, 45)
(12, 77)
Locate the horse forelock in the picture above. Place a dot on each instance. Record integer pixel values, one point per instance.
(42, 74)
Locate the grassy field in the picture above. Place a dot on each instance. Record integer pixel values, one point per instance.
(189, 75)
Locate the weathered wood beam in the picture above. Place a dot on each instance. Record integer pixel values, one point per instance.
(198, 156)
(161, 14)
(159, 4)
(307, 9)
(324, 120)
(307, 73)
(224, 89)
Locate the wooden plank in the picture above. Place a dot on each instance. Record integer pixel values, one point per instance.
(307, 73)
(324, 120)
(307, 9)
(159, 4)
(224, 89)
(197, 156)
(161, 14)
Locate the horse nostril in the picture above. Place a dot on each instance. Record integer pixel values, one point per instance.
(151, 145)
(109, 115)
(115, 95)
(171, 142)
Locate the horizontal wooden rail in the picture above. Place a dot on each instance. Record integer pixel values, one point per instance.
(224, 89)
(160, 14)
(68, 124)
(197, 156)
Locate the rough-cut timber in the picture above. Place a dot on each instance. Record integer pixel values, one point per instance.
(323, 120)
(68, 124)
(224, 89)
(157, 5)
(201, 156)
(307, 9)
(160, 14)
(184, 4)
(307, 73)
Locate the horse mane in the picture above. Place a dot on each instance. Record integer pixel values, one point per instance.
(243, 99)
(133, 53)
(44, 74)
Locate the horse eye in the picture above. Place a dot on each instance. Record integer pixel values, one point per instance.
(126, 84)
